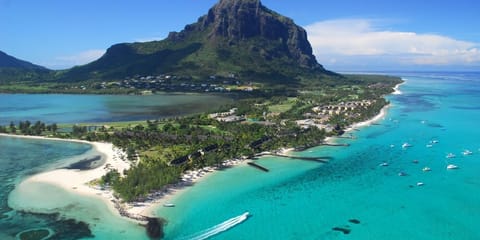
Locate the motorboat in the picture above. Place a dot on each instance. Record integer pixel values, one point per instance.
(415, 161)
(426, 169)
(420, 184)
(384, 164)
(451, 166)
(402, 174)
(406, 145)
(467, 152)
(450, 155)
(429, 145)
(169, 205)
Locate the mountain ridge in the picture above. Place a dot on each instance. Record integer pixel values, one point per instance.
(239, 37)
(7, 61)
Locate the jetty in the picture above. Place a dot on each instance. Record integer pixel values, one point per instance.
(258, 166)
(336, 144)
(315, 159)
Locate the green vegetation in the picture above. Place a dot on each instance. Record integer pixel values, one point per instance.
(254, 123)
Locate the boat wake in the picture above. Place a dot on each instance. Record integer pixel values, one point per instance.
(219, 228)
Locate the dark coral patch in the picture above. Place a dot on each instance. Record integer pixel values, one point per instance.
(354, 221)
(341, 229)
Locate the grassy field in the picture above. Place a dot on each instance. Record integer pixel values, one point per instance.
(283, 107)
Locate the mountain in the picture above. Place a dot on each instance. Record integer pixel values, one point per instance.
(240, 38)
(7, 61)
(16, 70)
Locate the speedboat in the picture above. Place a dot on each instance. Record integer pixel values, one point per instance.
(426, 169)
(420, 184)
(406, 145)
(384, 164)
(402, 174)
(429, 145)
(434, 141)
(169, 205)
(450, 155)
(467, 152)
(451, 166)
(415, 161)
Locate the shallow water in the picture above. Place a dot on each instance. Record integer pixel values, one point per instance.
(301, 199)
(305, 200)
(68, 108)
(67, 215)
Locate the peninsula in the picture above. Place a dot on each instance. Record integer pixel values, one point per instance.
(283, 99)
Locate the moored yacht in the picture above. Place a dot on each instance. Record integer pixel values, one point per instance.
(451, 166)
(406, 145)
(450, 155)
(467, 152)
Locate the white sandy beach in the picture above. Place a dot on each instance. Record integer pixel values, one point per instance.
(396, 89)
(76, 181)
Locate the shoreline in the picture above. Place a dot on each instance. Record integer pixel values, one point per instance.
(137, 211)
(396, 89)
(79, 180)
(115, 158)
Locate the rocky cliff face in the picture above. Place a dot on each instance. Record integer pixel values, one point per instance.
(239, 20)
(242, 37)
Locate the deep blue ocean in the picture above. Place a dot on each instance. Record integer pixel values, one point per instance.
(353, 196)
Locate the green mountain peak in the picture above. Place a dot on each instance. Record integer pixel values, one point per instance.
(239, 37)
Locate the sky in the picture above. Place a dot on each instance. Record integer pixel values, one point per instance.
(346, 35)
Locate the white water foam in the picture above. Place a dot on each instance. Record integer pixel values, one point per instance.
(224, 226)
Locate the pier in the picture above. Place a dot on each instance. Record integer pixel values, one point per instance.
(336, 144)
(258, 166)
(315, 159)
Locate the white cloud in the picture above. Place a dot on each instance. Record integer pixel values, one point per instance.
(77, 59)
(346, 41)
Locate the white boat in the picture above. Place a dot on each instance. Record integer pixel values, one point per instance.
(420, 184)
(219, 228)
(426, 169)
(450, 155)
(429, 145)
(451, 166)
(406, 145)
(467, 152)
(169, 205)
(384, 164)
(434, 141)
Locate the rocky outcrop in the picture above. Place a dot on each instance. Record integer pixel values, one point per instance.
(240, 37)
(235, 21)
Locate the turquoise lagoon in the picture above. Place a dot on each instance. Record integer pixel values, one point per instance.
(353, 192)
(68, 108)
(309, 200)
